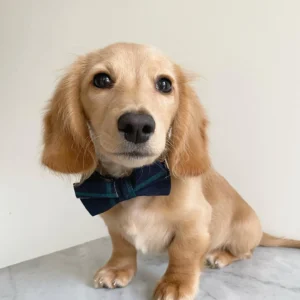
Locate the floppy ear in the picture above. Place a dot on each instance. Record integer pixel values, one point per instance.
(68, 147)
(188, 155)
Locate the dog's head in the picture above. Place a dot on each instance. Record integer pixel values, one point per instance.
(129, 105)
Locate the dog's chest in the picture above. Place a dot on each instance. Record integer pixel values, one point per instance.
(143, 224)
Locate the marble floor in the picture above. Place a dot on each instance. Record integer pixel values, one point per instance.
(67, 275)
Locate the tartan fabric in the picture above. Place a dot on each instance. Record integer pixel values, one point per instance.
(99, 194)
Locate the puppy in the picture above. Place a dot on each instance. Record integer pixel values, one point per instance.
(128, 106)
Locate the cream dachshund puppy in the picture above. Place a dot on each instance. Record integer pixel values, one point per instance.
(128, 106)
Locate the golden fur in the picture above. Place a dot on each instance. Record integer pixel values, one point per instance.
(202, 218)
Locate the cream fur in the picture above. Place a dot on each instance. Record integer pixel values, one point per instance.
(203, 217)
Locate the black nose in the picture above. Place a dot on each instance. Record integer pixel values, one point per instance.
(137, 127)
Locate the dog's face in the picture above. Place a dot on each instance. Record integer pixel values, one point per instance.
(127, 104)
(130, 97)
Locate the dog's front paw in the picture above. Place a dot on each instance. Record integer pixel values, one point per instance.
(175, 289)
(113, 277)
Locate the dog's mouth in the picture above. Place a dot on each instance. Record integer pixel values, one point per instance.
(135, 154)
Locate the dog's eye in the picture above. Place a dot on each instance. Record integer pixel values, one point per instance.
(102, 81)
(164, 85)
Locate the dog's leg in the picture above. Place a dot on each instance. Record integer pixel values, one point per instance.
(218, 259)
(186, 257)
(121, 267)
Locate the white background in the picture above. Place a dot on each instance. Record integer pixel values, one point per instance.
(247, 53)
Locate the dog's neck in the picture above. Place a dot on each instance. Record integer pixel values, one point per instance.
(108, 168)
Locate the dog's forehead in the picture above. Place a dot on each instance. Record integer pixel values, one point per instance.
(129, 56)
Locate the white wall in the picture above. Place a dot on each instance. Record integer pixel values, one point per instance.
(248, 55)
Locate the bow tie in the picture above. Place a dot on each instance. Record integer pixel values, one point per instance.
(99, 194)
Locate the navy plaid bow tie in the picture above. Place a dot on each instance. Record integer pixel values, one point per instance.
(99, 194)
